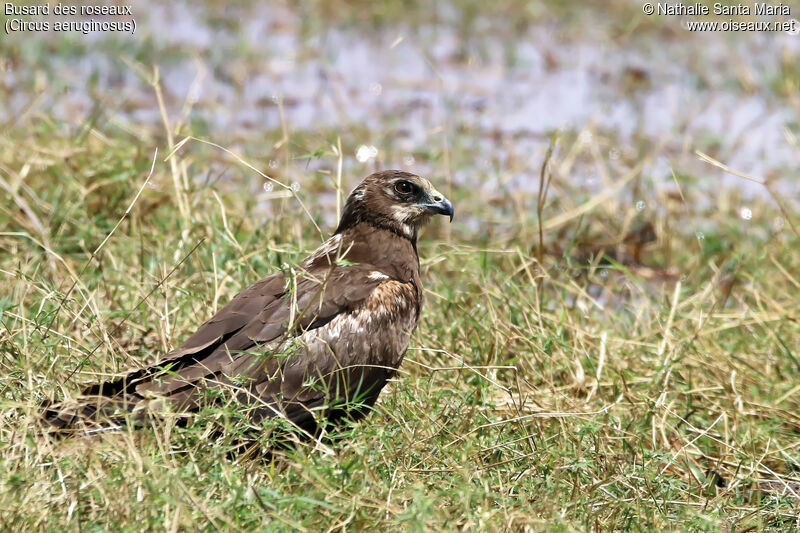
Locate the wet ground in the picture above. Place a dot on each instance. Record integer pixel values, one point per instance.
(490, 90)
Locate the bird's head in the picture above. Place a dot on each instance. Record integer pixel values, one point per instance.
(392, 199)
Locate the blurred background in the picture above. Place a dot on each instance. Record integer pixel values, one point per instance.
(463, 91)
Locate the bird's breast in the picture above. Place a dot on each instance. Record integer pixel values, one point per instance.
(375, 332)
(372, 336)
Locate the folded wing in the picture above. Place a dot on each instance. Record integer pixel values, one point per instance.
(248, 347)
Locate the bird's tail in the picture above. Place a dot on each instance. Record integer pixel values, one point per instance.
(87, 415)
(102, 407)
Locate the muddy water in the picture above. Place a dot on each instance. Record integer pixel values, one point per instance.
(400, 89)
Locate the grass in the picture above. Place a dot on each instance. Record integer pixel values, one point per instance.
(641, 375)
(581, 392)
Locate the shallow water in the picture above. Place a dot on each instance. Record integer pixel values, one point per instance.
(496, 98)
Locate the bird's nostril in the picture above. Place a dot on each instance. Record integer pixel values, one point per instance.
(437, 198)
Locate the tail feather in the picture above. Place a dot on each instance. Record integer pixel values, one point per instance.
(111, 403)
(102, 406)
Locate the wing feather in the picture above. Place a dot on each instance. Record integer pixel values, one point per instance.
(245, 347)
(227, 345)
(231, 318)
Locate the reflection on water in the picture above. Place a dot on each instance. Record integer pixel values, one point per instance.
(406, 85)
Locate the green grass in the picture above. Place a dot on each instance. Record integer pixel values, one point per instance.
(579, 393)
(613, 385)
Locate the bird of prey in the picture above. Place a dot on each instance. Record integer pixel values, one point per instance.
(310, 345)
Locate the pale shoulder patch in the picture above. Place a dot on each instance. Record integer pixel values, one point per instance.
(391, 296)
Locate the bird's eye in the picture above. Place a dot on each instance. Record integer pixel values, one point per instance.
(404, 187)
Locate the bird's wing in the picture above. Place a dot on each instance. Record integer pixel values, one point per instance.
(259, 319)
(255, 321)
(231, 318)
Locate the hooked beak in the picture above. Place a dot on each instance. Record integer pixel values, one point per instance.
(440, 205)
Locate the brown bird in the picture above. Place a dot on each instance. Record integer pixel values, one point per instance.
(313, 344)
